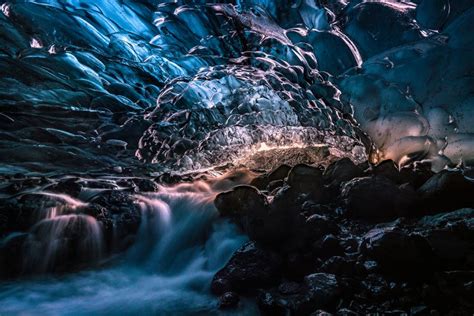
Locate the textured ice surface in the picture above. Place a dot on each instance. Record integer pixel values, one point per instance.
(189, 84)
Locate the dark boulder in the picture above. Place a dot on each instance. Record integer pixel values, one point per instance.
(318, 226)
(248, 269)
(21, 212)
(145, 185)
(451, 235)
(328, 246)
(122, 209)
(323, 289)
(11, 255)
(378, 199)
(262, 182)
(229, 300)
(70, 186)
(399, 253)
(446, 191)
(339, 266)
(388, 169)
(317, 291)
(274, 225)
(241, 201)
(306, 179)
(249, 208)
(462, 217)
(340, 171)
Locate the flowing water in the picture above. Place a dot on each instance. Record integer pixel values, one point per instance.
(180, 245)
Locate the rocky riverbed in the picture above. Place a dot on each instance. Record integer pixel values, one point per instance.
(352, 239)
(345, 239)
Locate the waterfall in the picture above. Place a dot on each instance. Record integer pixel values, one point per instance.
(56, 242)
(180, 245)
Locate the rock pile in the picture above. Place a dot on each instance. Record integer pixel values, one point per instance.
(352, 239)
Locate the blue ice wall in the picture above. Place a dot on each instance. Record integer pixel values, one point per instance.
(189, 84)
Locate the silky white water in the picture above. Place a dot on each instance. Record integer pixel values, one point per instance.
(181, 243)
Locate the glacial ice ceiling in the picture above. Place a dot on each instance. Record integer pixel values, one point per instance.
(89, 84)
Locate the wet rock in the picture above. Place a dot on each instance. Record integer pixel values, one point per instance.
(104, 217)
(145, 185)
(416, 174)
(318, 226)
(328, 246)
(399, 253)
(447, 190)
(451, 292)
(228, 300)
(455, 219)
(168, 178)
(299, 263)
(250, 268)
(249, 208)
(69, 186)
(451, 247)
(11, 255)
(63, 243)
(318, 290)
(378, 199)
(240, 201)
(22, 212)
(306, 179)
(339, 266)
(123, 211)
(262, 182)
(340, 171)
(388, 169)
(275, 185)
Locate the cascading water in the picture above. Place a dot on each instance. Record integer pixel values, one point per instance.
(52, 241)
(179, 246)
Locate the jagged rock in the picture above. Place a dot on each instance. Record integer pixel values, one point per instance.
(447, 190)
(69, 186)
(168, 178)
(306, 179)
(318, 226)
(275, 225)
(145, 185)
(416, 174)
(328, 246)
(23, 211)
(318, 290)
(241, 201)
(399, 253)
(339, 266)
(11, 255)
(123, 211)
(464, 217)
(263, 181)
(378, 199)
(340, 171)
(228, 300)
(249, 208)
(388, 169)
(250, 268)
(451, 235)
